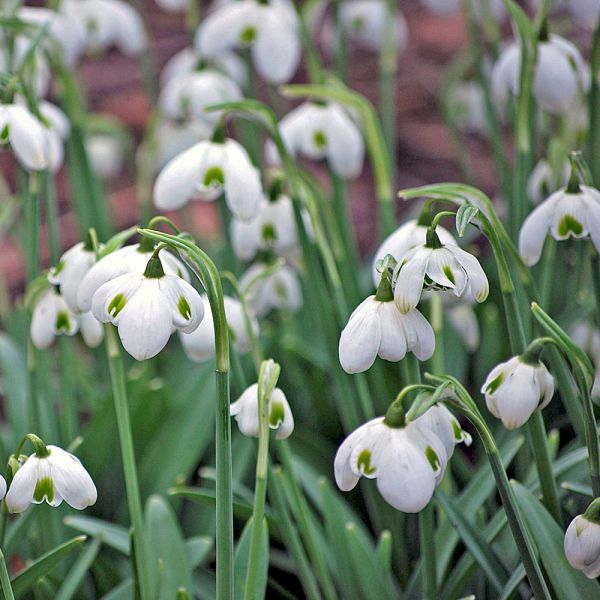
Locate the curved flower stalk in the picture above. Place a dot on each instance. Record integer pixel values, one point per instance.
(205, 171)
(587, 337)
(269, 28)
(319, 131)
(582, 541)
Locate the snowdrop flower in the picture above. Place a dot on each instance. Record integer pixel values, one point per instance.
(366, 21)
(106, 154)
(515, 389)
(571, 211)
(51, 317)
(407, 461)
(245, 411)
(199, 345)
(560, 74)
(53, 477)
(438, 266)
(587, 337)
(173, 5)
(127, 260)
(206, 170)
(269, 28)
(57, 132)
(276, 290)
(444, 425)
(462, 317)
(442, 7)
(108, 23)
(2, 487)
(405, 238)
(274, 228)
(148, 308)
(542, 180)
(468, 107)
(188, 94)
(91, 329)
(582, 541)
(585, 13)
(319, 131)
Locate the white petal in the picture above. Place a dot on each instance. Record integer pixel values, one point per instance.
(409, 280)
(20, 494)
(199, 345)
(243, 188)
(345, 145)
(91, 330)
(187, 307)
(28, 139)
(71, 480)
(535, 228)
(393, 343)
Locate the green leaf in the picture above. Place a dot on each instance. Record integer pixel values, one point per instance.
(116, 241)
(197, 549)
(115, 536)
(241, 561)
(465, 215)
(78, 571)
(513, 583)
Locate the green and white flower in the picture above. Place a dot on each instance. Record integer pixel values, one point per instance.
(51, 317)
(582, 542)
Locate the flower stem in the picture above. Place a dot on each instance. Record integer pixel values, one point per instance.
(426, 539)
(594, 103)
(117, 376)
(5, 579)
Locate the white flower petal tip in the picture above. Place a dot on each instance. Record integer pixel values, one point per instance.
(582, 541)
(51, 317)
(562, 215)
(53, 478)
(245, 412)
(378, 329)
(146, 311)
(206, 170)
(514, 390)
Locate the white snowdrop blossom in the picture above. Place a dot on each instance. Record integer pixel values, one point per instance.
(126, 260)
(378, 328)
(582, 542)
(51, 317)
(515, 389)
(444, 425)
(542, 181)
(561, 74)
(405, 238)
(563, 214)
(274, 228)
(468, 107)
(585, 13)
(172, 5)
(108, 23)
(587, 337)
(56, 477)
(206, 170)
(148, 308)
(408, 462)
(463, 320)
(106, 154)
(271, 291)
(2, 487)
(270, 29)
(366, 22)
(280, 417)
(318, 131)
(446, 267)
(199, 345)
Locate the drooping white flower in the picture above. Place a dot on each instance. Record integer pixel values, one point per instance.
(405, 238)
(173, 5)
(542, 181)
(444, 425)
(463, 320)
(271, 291)
(587, 337)
(245, 411)
(148, 308)
(366, 22)
(38, 71)
(582, 543)
(585, 13)
(126, 260)
(206, 170)
(274, 228)
(106, 154)
(2, 487)
(378, 328)
(108, 23)
(319, 131)
(515, 389)
(270, 29)
(563, 214)
(408, 462)
(560, 74)
(51, 317)
(91, 329)
(56, 477)
(446, 267)
(199, 345)
(469, 112)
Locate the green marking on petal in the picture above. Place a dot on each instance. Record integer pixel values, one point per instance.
(248, 35)
(116, 305)
(58, 268)
(432, 458)
(63, 322)
(4, 134)
(569, 224)
(183, 306)
(364, 462)
(44, 488)
(494, 384)
(457, 431)
(320, 139)
(214, 177)
(269, 234)
(357, 24)
(449, 274)
(276, 414)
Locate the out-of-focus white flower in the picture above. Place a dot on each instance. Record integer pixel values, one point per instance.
(54, 477)
(462, 317)
(447, 267)
(207, 170)
(468, 107)
(442, 7)
(51, 317)
(173, 5)
(37, 74)
(273, 228)
(245, 411)
(271, 291)
(2, 487)
(106, 154)
(515, 389)
(270, 29)
(405, 238)
(127, 260)
(199, 345)
(585, 13)
(108, 23)
(378, 328)
(563, 214)
(319, 131)
(366, 21)
(148, 308)
(587, 337)
(542, 181)
(187, 95)
(582, 542)
(57, 132)
(561, 74)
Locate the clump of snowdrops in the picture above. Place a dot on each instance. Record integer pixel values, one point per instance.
(455, 365)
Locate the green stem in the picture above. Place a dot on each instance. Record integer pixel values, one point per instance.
(594, 104)
(426, 540)
(5, 579)
(340, 57)
(117, 375)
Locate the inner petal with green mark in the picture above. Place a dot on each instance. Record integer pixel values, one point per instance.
(569, 224)
(183, 306)
(320, 139)
(432, 458)
(494, 384)
(248, 35)
(4, 134)
(44, 488)
(117, 304)
(449, 274)
(214, 177)
(357, 24)
(63, 322)
(269, 234)
(275, 415)
(363, 463)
